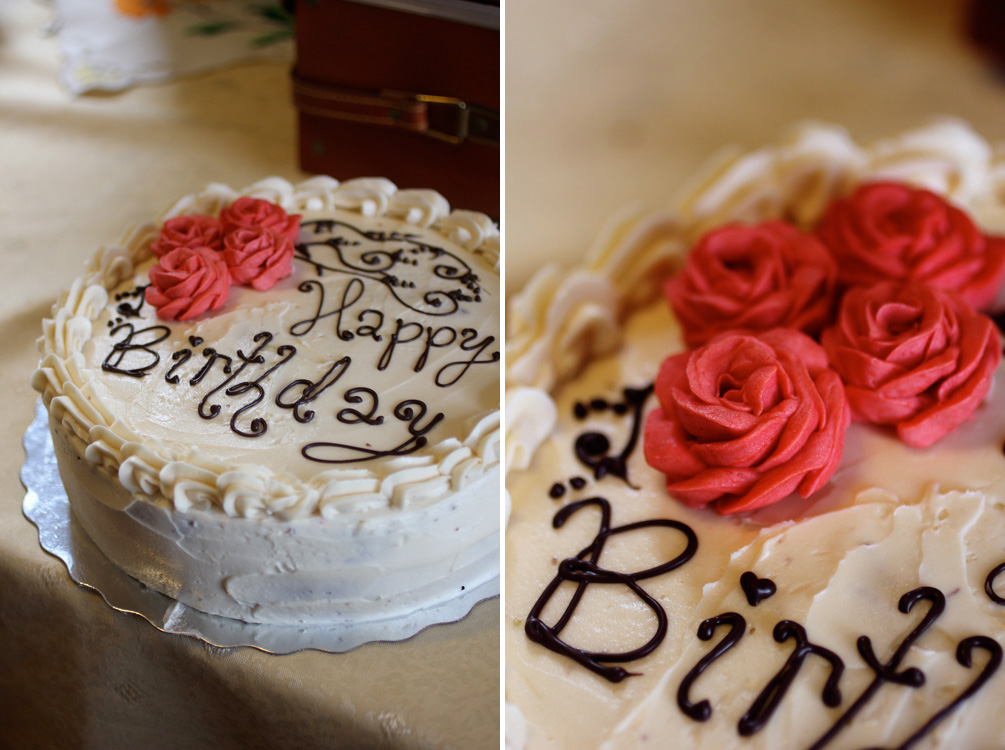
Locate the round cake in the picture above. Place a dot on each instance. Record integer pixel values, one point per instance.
(728, 537)
(280, 404)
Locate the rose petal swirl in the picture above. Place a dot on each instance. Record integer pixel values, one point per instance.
(888, 231)
(912, 356)
(753, 278)
(188, 231)
(746, 420)
(187, 282)
(248, 212)
(258, 256)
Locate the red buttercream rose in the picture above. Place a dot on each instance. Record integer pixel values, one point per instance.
(887, 231)
(746, 420)
(188, 231)
(248, 212)
(753, 278)
(912, 356)
(258, 256)
(187, 282)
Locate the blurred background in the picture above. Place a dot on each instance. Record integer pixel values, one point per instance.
(617, 104)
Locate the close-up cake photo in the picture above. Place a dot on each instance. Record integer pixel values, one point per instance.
(755, 415)
(252, 338)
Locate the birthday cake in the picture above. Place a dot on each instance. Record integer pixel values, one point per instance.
(280, 404)
(755, 461)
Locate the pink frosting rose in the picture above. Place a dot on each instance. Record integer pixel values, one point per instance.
(258, 256)
(753, 278)
(188, 231)
(187, 282)
(254, 212)
(912, 356)
(887, 231)
(746, 420)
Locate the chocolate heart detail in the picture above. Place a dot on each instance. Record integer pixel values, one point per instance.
(756, 589)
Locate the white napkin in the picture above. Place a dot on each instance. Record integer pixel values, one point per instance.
(110, 45)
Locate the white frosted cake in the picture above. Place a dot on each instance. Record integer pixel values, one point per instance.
(281, 404)
(672, 581)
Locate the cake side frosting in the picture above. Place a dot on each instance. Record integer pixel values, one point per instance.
(895, 527)
(121, 380)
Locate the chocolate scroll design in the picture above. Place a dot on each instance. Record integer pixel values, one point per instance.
(594, 449)
(585, 570)
(423, 277)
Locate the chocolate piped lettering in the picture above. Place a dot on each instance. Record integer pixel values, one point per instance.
(134, 355)
(770, 698)
(702, 710)
(585, 570)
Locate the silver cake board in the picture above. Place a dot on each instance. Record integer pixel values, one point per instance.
(47, 507)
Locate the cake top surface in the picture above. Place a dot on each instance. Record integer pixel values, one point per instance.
(770, 618)
(364, 380)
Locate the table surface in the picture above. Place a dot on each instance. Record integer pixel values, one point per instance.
(74, 174)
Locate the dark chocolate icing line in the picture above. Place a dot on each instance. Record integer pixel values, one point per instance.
(312, 389)
(411, 411)
(989, 584)
(911, 677)
(769, 699)
(131, 347)
(756, 589)
(258, 425)
(593, 448)
(584, 570)
(964, 655)
(469, 343)
(262, 339)
(180, 357)
(702, 710)
(354, 416)
(212, 356)
(379, 265)
(128, 311)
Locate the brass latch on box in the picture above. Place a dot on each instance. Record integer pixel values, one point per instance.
(444, 118)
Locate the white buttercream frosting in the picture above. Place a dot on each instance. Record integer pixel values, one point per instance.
(891, 520)
(358, 398)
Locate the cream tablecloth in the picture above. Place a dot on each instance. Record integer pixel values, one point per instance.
(74, 173)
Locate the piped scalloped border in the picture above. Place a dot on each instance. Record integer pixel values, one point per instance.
(563, 319)
(147, 468)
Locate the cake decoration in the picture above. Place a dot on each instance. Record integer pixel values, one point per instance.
(912, 356)
(756, 589)
(887, 230)
(188, 231)
(753, 278)
(186, 282)
(584, 570)
(201, 256)
(248, 213)
(258, 256)
(825, 661)
(747, 420)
